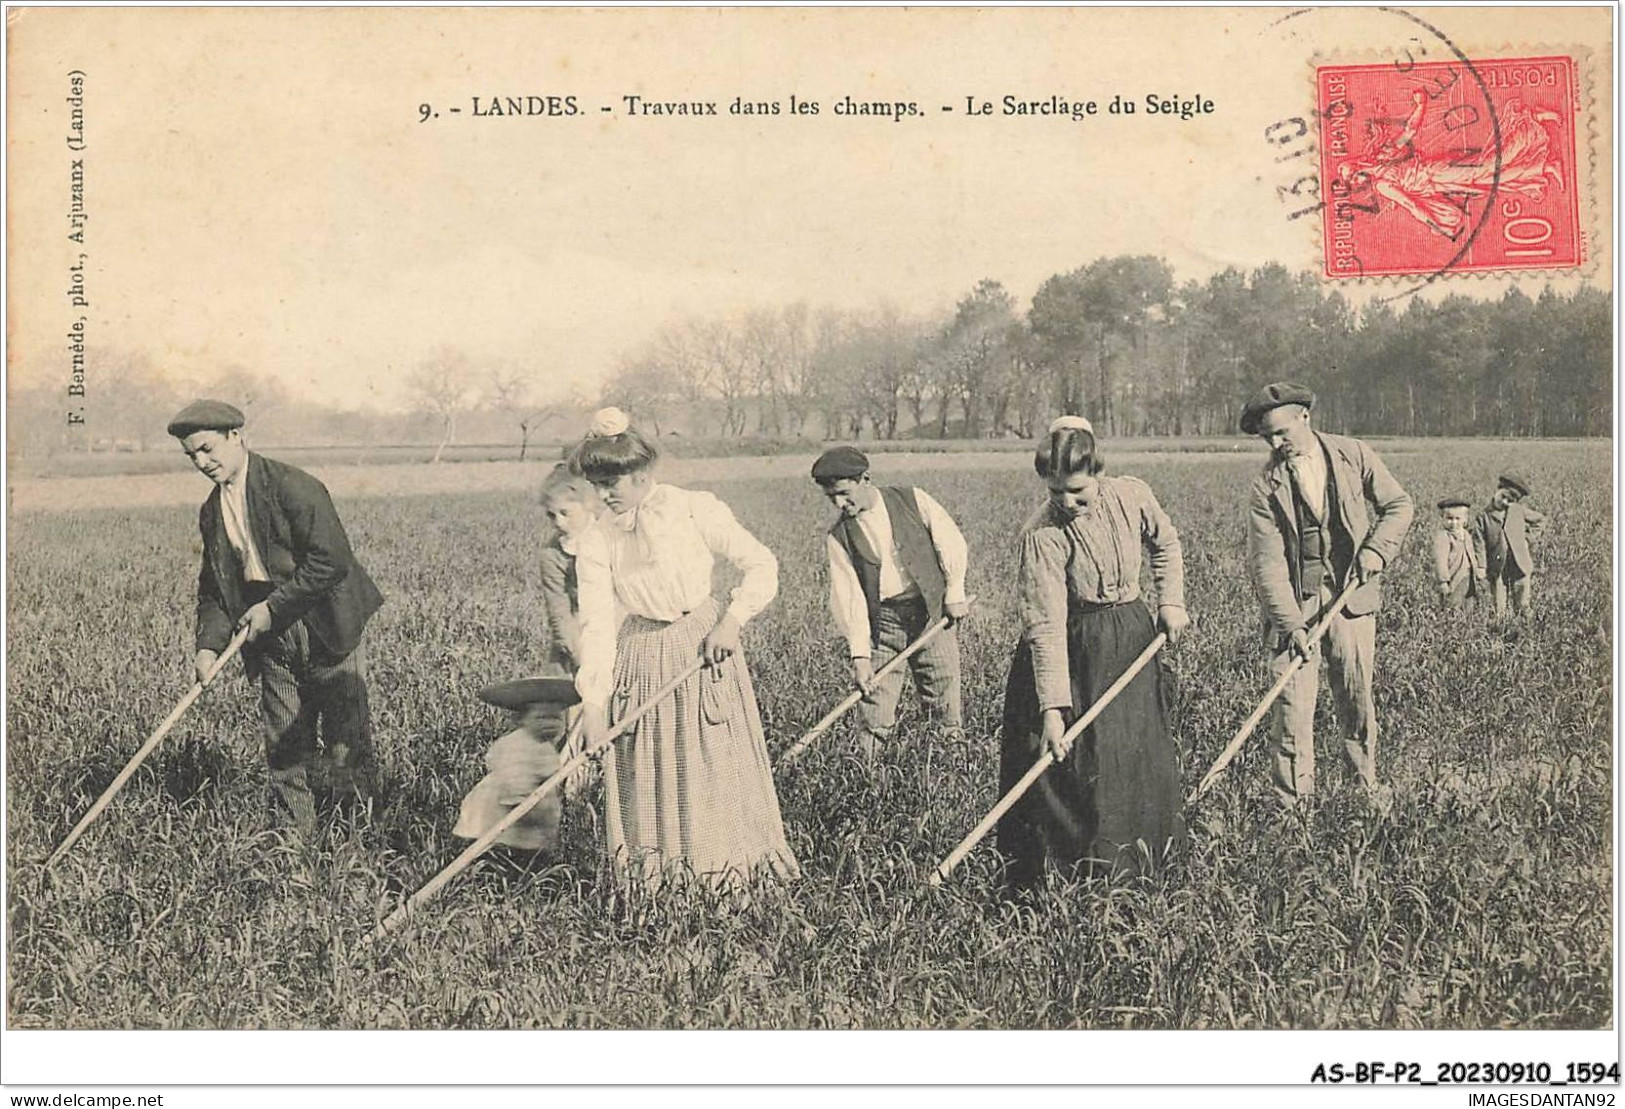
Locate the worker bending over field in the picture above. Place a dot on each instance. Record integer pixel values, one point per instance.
(276, 561)
(1309, 534)
(896, 566)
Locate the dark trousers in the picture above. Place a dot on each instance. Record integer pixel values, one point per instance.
(314, 711)
(1460, 591)
(1510, 591)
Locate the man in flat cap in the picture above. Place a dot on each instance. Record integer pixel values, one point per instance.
(1503, 530)
(896, 566)
(1311, 529)
(276, 560)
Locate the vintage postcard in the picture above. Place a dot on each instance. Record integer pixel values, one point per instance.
(1092, 520)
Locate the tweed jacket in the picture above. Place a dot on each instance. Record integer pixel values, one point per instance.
(1499, 538)
(315, 577)
(1457, 558)
(561, 597)
(1361, 479)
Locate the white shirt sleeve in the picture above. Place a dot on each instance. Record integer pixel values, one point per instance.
(846, 603)
(952, 551)
(595, 679)
(727, 538)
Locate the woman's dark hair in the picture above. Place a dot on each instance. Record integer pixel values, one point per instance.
(1068, 451)
(606, 457)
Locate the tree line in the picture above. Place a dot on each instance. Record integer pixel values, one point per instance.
(1117, 340)
(452, 398)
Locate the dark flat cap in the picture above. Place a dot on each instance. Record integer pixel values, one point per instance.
(521, 694)
(1455, 502)
(1270, 397)
(840, 462)
(205, 415)
(1513, 481)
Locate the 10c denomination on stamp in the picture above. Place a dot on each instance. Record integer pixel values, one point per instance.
(1435, 167)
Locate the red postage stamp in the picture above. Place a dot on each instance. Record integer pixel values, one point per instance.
(1459, 167)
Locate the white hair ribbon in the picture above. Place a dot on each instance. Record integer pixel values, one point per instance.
(607, 422)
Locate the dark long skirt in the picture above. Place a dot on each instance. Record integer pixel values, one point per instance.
(1113, 807)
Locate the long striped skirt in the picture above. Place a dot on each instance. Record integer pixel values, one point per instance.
(690, 785)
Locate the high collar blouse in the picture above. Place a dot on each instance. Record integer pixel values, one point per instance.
(1091, 559)
(657, 562)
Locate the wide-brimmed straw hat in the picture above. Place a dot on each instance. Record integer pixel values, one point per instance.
(524, 692)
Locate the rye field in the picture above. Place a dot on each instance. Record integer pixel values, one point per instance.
(1482, 899)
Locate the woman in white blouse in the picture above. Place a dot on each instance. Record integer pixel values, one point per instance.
(690, 785)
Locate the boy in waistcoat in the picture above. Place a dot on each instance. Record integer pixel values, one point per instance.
(896, 566)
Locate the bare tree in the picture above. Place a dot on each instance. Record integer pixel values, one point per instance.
(763, 342)
(882, 352)
(800, 340)
(644, 387)
(1029, 388)
(724, 369)
(511, 390)
(977, 354)
(442, 385)
(919, 379)
(262, 398)
(826, 376)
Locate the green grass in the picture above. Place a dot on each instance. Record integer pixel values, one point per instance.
(1483, 899)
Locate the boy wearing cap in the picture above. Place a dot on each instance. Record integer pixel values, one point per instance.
(1310, 531)
(276, 560)
(896, 566)
(1503, 530)
(1458, 558)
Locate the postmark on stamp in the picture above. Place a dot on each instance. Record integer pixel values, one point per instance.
(1435, 167)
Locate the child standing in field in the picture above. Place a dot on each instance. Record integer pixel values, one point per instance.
(530, 754)
(1458, 559)
(519, 762)
(571, 505)
(1503, 530)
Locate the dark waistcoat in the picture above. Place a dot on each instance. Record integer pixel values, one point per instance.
(1325, 548)
(913, 547)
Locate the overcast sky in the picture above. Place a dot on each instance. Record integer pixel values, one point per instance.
(261, 192)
